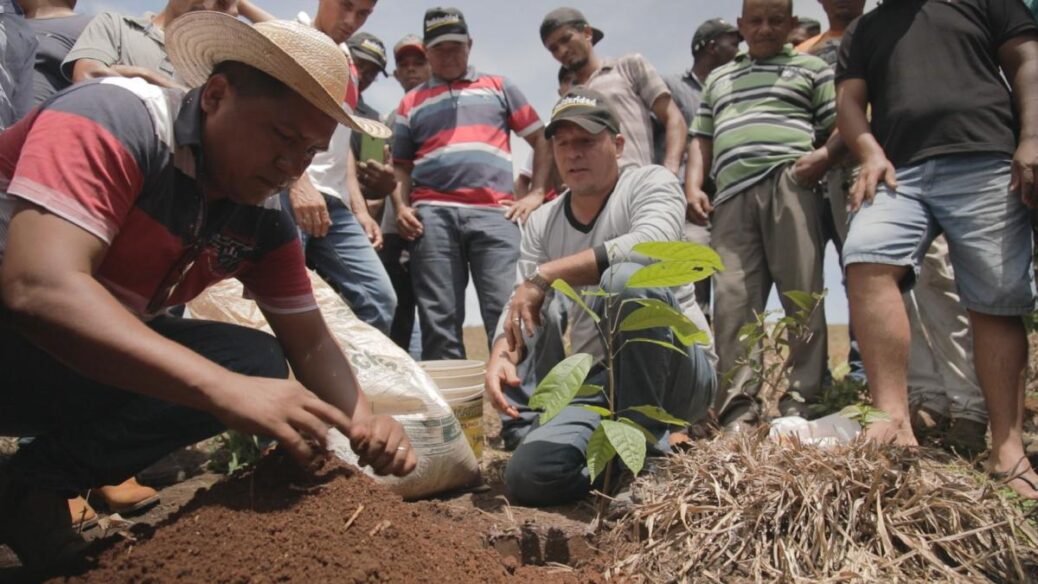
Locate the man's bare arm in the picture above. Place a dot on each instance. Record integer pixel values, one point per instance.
(1019, 60)
(319, 364)
(700, 158)
(86, 69)
(853, 124)
(669, 115)
(542, 165)
(52, 298)
(254, 13)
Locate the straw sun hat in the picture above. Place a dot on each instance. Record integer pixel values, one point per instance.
(301, 57)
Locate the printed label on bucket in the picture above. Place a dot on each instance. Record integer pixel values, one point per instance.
(470, 415)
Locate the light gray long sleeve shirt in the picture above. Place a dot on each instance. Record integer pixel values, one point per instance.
(647, 204)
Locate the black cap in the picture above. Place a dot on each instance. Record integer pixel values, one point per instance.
(444, 24)
(368, 47)
(709, 31)
(586, 108)
(809, 24)
(567, 17)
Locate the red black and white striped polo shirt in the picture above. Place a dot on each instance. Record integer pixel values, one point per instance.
(120, 159)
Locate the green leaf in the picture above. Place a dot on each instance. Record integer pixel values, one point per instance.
(748, 331)
(595, 292)
(864, 414)
(659, 414)
(841, 371)
(649, 438)
(600, 411)
(668, 274)
(697, 338)
(656, 313)
(802, 299)
(599, 453)
(660, 343)
(561, 286)
(628, 442)
(557, 389)
(589, 390)
(680, 251)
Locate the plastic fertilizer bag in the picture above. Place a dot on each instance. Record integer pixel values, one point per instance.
(394, 384)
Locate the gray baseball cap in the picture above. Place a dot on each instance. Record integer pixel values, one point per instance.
(586, 108)
(567, 16)
(368, 47)
(709, 31)
(444, 24)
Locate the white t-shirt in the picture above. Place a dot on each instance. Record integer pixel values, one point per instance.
(328, 169)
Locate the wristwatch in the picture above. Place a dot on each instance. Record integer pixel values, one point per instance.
(538, 280)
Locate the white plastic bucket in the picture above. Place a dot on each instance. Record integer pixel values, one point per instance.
(467, 404)
(461, 384)
(451, 367)
(459, 380)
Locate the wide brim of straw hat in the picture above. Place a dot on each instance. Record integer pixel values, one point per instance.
(196, 42)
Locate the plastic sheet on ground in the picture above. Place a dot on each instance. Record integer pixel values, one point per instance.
(394, 384)
(832, 430)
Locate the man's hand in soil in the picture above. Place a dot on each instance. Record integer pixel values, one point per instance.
(380, 442)
(524, 311)
(279, 408)
(1025, 171)
(309, 208)
(873, 170)
(501, 370)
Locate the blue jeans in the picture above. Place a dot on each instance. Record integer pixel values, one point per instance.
(345, 259)
(455, 241)
(549, 466)
(966, 197)
(89, 434)
(399, 274)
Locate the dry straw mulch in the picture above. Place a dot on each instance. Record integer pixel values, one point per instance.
(748, 509)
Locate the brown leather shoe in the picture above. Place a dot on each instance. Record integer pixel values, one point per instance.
(128, 498)
(83, 515)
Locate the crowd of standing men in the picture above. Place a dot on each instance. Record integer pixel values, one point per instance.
(859, 134)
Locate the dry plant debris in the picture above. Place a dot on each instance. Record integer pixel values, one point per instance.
(747, 509)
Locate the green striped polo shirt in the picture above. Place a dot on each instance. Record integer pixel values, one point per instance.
(763, 114)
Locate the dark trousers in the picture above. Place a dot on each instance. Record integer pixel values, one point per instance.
(88, 434)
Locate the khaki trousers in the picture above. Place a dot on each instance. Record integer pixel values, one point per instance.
(771, 233)
(941, 375)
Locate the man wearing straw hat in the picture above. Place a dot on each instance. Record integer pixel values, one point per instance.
(121, 199)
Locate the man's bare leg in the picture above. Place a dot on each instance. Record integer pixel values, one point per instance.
(881, 327)
(1000, 354)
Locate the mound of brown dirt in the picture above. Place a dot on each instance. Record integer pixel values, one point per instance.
(279, 523)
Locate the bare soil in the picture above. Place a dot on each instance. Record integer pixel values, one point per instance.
(282, 523)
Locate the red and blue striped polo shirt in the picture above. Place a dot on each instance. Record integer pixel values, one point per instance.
(121, 159)
(456, 134)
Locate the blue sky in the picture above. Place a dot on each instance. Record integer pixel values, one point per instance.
(506, 42)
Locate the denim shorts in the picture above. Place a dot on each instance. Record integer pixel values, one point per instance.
(967, 198)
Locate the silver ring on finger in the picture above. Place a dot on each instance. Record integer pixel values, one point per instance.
(401, 449)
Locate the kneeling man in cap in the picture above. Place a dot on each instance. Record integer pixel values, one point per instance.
(118, 200)
(586, 237)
